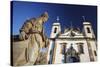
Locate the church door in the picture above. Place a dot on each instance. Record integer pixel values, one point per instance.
(72, 55)
(72, 59)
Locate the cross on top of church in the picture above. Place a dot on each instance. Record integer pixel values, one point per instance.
(57, 18)
(84, 18)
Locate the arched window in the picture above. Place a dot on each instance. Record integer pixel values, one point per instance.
(63, 51)
(63, 48)
(88, 30)
(80, 48)
(55, 30)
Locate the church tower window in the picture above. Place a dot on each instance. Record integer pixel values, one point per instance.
(88, 30)
(55, 30)
(95, 53)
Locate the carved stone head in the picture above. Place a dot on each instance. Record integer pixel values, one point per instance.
(45, 16)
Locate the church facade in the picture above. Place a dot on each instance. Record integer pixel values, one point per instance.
(72, 45)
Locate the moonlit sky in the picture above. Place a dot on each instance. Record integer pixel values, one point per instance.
(21, 11)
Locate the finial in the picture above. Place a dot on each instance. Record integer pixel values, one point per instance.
(57, 18)
(83, 18)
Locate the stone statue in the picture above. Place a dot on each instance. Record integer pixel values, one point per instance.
(33, 30)
(25, 30)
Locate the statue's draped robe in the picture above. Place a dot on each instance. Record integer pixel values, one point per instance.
(36, 42)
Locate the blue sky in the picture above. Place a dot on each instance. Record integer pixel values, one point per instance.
(67, 13)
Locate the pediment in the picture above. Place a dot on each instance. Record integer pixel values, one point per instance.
(71, 33)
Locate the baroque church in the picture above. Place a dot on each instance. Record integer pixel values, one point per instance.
(72, 45)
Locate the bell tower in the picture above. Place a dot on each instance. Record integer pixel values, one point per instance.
(88, 31)
(90, 39)
(56, 29)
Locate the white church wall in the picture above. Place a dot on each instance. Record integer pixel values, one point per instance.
(83, 57)
(49, 49)
(75, 40)
(93, 46)
(58, 55)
